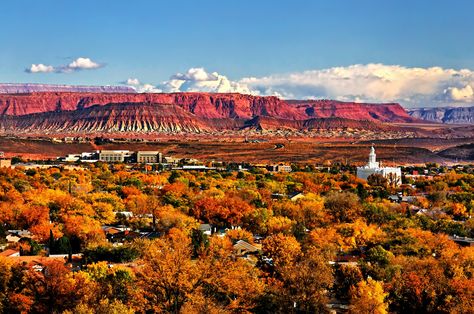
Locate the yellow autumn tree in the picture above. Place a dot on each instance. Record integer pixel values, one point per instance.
(369, 297)
(280, 224)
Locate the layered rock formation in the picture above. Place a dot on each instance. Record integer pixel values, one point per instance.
(160, 118)
(390, 112)
(123, 117)
(451, 115)
(66, 112)
(207, 105)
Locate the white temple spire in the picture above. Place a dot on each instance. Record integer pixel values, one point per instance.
(372, 159)
(393, 174)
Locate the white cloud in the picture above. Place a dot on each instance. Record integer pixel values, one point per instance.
(40, 68)
(148, 88)
(140, 87)
(83, 64)
(194, 80)
(76, 65)
(410, 86)
(465, 93)
(198, 80)
(132, 82)
(195, 74)
(371, 83)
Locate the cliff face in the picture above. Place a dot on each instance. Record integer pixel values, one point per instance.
(390, 112)
(458, 115)
(65, 112)
(160, 118)
(201, 104)
(123, 117)
(207, 105)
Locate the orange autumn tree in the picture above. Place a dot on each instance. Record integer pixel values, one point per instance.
(86, 229)
(280, 224)
(368, 297)
(306, 282)
(172, 281)
(282, 249)
(223, 212)
(233, 284)
(55, 289)
(168, 276)
(239, 234)
(344, 207)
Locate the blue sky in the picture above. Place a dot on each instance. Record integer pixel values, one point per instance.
(154, 40)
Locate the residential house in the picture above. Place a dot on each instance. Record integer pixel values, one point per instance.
(296, 196)
(242, 248)
(206, 229)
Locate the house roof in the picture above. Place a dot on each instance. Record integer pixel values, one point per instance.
(204, 227)
(296, 196)
(245, 246)
(9, 252)
(40, 260)
(111, 229)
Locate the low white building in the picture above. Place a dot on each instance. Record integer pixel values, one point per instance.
(114, 155)
(392, 174)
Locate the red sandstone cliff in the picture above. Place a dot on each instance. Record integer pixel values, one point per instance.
(204, 105)
(63, 112)
(145, 118)
(390, 112)
(123, 117)
(207, 105)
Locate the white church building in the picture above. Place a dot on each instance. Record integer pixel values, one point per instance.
(392, 174)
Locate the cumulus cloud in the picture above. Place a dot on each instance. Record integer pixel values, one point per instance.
(40, 68)
(82, 64)
(141, 87)
(148, 88)
(410, 86)
(371, 82)
(465, 93)
(76, 65)
(132, 82)
(195, 74)
(194, 80)
(199, 80)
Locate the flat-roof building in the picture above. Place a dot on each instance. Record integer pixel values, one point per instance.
(152, 157)
(278, 168)
(114, 155)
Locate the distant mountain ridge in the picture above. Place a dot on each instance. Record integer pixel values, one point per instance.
(207, 105)
(160, 118)
(22, 88)
(56, 112)
(450, 115)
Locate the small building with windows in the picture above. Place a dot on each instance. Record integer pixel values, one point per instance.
(392, 174)
(279, 168)
(114, 155)
(149, 157)
(5, 162)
